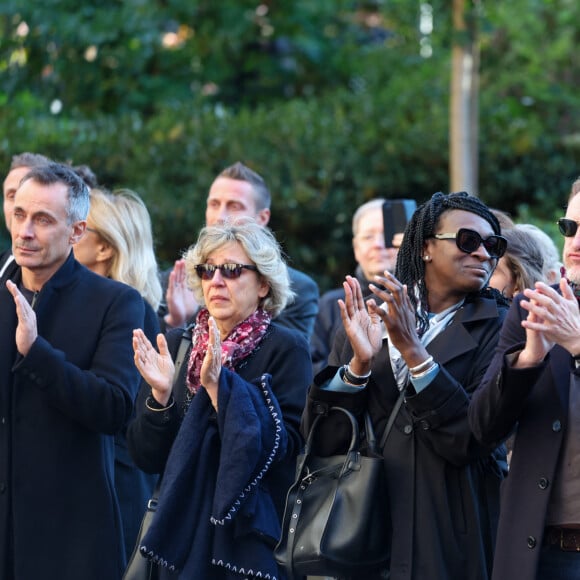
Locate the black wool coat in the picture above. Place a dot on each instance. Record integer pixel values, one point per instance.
(534, 403)
(60, 407)
(443, 485)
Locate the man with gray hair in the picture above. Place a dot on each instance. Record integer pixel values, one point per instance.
(67, 385)
(373, 257)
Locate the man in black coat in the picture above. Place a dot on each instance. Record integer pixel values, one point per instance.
(67, 385)
(532, 388)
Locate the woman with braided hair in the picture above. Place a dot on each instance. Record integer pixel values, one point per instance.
(429, 334)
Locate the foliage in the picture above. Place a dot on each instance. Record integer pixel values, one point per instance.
(337, 152)
(332, 105)
(145, 55)
(529, 105)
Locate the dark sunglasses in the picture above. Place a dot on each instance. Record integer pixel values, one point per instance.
(229, 271)
(468, 241)
(568, 228)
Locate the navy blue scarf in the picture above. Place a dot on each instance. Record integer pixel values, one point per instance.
(214, 506)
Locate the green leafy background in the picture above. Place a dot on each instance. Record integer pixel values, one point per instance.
(331, 101)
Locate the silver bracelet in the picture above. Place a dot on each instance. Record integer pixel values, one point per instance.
(425, 364)
(425, 372)
(160, 410)
(351, 380)
(354, 375)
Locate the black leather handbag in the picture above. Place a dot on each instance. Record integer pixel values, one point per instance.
(337, 518)
(139, 567)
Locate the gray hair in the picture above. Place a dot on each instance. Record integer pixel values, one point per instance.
(363, 210)
(262, 249)
(524, 257)
(78, 193)
(550, 253)
(28, 159)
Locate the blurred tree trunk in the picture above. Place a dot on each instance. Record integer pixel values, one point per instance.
(463, 122)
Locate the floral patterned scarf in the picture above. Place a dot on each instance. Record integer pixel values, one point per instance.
(240, 342)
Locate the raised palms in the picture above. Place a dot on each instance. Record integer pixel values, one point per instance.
(363, 327)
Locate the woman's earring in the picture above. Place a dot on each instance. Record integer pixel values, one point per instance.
(426, 258)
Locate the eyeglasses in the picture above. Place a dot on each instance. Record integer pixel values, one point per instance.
(568, 228)
(468, 241)
(229, 271)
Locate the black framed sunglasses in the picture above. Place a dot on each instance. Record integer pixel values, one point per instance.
(469, 240)
(568, 228)
(229, 271)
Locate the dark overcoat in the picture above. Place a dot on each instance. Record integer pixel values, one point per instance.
(300, 312)
(534, 402)
(329, 322)
(60, 407)
(282, 353)
(442, 484)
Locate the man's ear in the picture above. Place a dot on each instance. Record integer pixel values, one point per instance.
(263, 217)
(78, 231)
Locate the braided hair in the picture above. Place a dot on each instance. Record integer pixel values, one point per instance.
(410, 269)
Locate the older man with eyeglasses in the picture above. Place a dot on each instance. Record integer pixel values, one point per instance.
(373, 256)
(532, 389)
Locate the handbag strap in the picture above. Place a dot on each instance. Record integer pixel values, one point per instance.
(300, 488)
(354, 440)
(392, 418)
(182, 351)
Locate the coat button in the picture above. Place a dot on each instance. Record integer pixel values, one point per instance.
(408, 429)
(556, 426)
(2, 487)
(543, 483)
(424, 424)
(531, 542)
